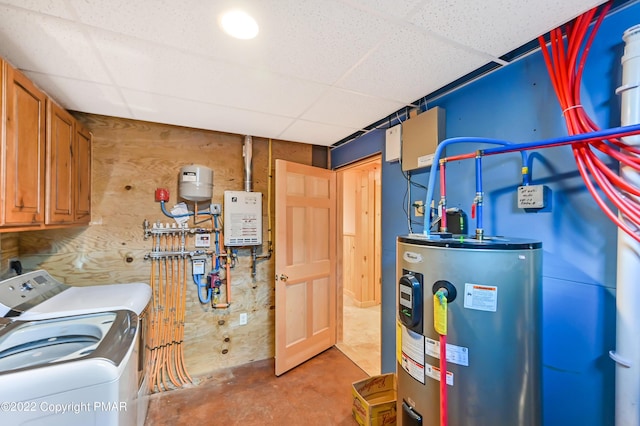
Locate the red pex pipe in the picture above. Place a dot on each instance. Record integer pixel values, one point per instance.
(565, 59)
(461, 157)
(443, 197)
(444, 420)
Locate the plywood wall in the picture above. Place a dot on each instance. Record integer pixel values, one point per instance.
(130, 160)
(9, 249)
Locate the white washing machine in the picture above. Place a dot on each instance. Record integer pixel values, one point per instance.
(71, 355)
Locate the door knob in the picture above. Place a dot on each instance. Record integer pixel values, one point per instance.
(283, 277)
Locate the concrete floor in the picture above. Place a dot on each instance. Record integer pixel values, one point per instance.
(317, 392)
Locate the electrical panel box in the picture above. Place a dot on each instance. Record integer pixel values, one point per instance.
(421, 135)
(393, 142)
(242, 218)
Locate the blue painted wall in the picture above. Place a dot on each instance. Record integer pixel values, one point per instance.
(517, 103)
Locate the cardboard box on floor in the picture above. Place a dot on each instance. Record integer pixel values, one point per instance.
(374, 400)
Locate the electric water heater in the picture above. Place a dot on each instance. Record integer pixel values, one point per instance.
(493, 330)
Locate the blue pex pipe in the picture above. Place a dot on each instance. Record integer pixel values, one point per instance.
(166, 213)
(521, 147)
(198, 280)
(600, 134)
(479, 191)
(436, 160)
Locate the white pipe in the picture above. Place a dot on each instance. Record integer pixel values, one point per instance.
(627, 355)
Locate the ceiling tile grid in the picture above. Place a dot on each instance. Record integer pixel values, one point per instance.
(144, 66)
(315, 133)
(79, 95)
(409, 64)
(182, 112)
(349, 109)
(316, 73)
(498, 26)
(48, 44)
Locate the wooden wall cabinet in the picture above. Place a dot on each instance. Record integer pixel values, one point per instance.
(82, 193)
(60, 167)
(23, 150)
(45, 178)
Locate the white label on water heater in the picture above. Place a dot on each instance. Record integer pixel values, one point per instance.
(455, 354)
(434, 373)
(481, 297)
(413, 354)
(414, 369)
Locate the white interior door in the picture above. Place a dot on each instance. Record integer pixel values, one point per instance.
(305, 263)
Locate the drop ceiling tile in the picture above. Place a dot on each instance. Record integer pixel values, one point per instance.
(50, 7)
(83, 96)
(315, 133)
(167, 22)
(350, 109)
(183, 112)
(409, 65)
(42, 43)
(145, 66)
(394, 8)
(498, 26)
(313, 40)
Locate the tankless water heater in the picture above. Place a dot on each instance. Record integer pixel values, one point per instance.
(242, 218)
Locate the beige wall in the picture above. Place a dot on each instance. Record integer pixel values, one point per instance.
(130, 160)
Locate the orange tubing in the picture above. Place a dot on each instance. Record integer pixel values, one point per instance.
(163, 340)
(183, 305)
(165, 364)
(178, 323)
(152, 329)
(171, 326)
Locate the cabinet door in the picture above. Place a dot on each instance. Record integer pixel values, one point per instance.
(24, 151)
(60, 165)
(83, 175)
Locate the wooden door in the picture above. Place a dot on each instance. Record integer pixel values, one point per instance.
(24, 150)
(305, 254)
(83, 175)
(60, 165)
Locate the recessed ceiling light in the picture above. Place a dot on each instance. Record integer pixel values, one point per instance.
(239, 24)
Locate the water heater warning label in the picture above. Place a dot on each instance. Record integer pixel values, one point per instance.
(481, 297)
(455, 354)
(412, 355)
(434, 373)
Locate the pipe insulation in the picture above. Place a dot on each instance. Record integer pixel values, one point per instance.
(247, 153)
(627, 355)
